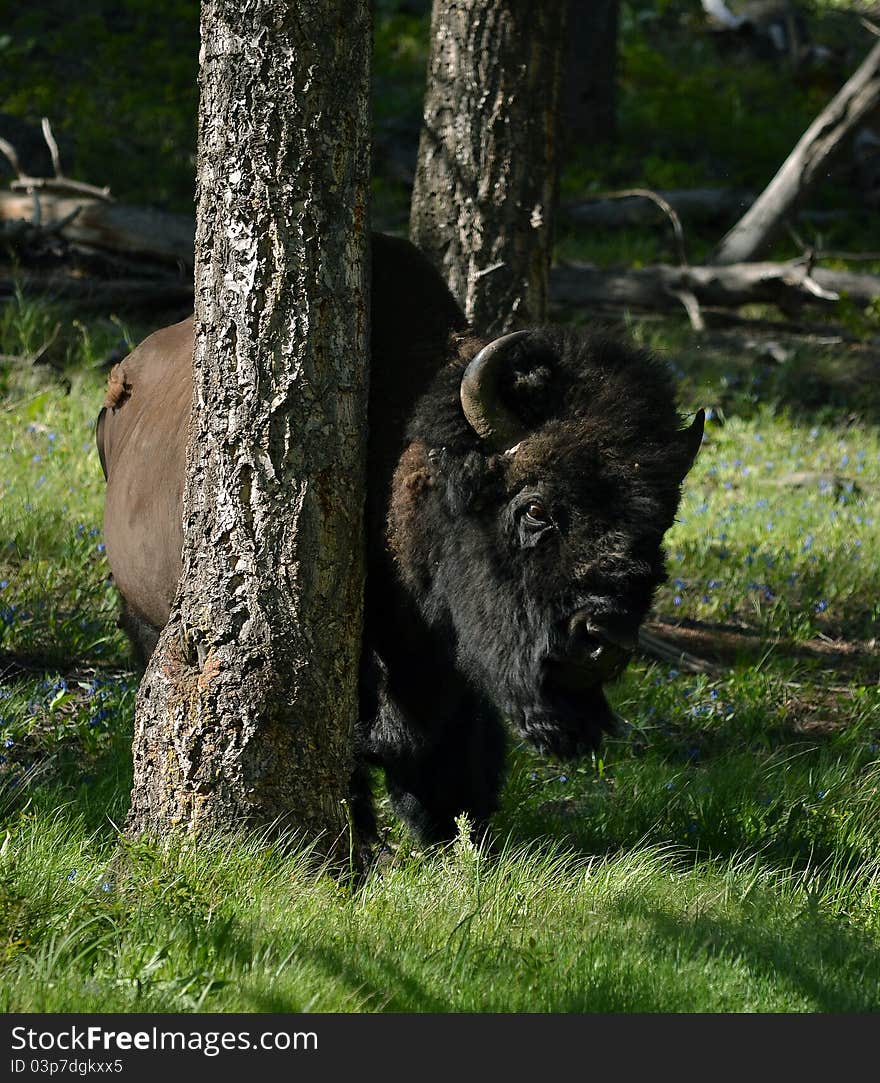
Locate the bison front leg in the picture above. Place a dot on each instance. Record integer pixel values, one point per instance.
(142, 636)
(436, 773)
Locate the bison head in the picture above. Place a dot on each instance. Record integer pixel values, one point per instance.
(528, 515)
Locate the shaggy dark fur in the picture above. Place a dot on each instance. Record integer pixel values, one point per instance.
(500, 583)
(492, 597)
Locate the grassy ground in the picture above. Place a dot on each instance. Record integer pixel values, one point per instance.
(723, 852)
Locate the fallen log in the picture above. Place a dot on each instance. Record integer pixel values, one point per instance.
(150, 255)
(789, 285)
(693, 205)
(121, 294)
(653, 289)
(139, 232)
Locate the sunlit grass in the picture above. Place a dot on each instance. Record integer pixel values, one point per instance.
(243, 925)
(719, 854)
(779, 529)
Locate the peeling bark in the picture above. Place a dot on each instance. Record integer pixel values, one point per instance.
(246, 711)
(486, 181)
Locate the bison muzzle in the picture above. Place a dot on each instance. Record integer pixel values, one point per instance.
(518, 494)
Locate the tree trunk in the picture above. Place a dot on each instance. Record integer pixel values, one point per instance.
(246, 711)
(589, 84)
(807, 164)
(486, 181)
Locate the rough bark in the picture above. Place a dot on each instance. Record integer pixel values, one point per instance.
(246, 711)
(589, 83)
(807, 163)
(486, 181)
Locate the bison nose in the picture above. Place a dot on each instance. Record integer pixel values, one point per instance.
(586, 632)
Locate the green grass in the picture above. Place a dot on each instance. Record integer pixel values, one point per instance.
(720, 855)
(242, 926)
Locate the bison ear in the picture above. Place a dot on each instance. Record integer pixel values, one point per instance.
(690, 439)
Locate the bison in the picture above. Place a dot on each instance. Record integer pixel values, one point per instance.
(518, 494)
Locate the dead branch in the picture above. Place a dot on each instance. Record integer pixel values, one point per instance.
(11, 154)
(665, 206)
(790, 285)
(134, 231)
(809, 161)
(655, 646)
(57, 184)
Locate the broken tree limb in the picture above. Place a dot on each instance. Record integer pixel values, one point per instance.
(663, 205)
(139, 232)
(819, 144)
(659, 647)
(789, 285)
(123, 294)
(59, 183)
(692, 205)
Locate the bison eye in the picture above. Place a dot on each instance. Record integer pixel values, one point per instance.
(536, 515)
(531, 520)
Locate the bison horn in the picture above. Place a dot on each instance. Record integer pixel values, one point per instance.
(490, 419)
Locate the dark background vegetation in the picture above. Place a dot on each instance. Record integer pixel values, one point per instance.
(118, 81)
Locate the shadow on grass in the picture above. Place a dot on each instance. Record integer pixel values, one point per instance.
(386, 985)
(647, 964)
(833, 967)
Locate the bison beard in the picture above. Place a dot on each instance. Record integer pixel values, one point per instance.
(518, 495)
